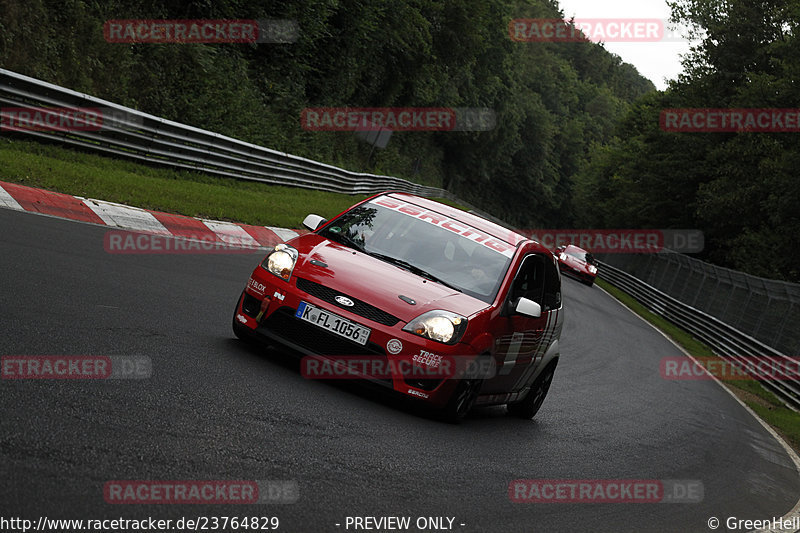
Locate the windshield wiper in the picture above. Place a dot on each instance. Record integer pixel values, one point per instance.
(412, 268)
(347, 240)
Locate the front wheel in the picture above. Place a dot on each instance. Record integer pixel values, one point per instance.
(533, 401)
(462, 400)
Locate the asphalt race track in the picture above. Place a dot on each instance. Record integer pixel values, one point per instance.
(217, 408)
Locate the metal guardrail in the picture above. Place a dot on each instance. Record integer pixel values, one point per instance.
(134, 135)
(766, 309)
(726, 341)
(139, 136)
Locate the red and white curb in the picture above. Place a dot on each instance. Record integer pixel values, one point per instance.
(23, 198)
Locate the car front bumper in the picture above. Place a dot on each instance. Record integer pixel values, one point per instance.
(580, 274)
(267, 309)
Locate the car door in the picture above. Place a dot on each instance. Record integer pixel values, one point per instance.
(521, 341)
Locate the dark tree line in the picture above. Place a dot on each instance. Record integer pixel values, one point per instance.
(742, 189)
(556, 103)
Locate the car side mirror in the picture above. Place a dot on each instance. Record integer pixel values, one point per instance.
(528, 307)
(312, 222)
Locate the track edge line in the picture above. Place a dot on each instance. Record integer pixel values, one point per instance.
(794, 511)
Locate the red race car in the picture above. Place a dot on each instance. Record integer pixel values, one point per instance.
(577, 263)
(440, 305)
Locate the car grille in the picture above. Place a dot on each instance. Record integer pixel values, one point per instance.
(359, 308)
(316, 340)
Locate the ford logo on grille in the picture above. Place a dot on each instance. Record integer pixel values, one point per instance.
(344, 300)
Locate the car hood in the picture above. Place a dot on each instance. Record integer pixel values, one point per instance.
(359, 275)
(576, 263)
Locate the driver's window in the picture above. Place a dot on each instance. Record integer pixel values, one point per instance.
(529, 282)
(552, 286)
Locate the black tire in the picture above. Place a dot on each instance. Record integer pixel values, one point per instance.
(462, 400)
(239, 330)
(533, 401)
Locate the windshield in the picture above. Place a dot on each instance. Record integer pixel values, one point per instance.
(584, 256)
(425, 247)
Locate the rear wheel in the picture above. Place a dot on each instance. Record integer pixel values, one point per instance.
(531, 404)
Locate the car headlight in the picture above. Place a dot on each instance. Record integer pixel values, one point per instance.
(562, 256)
(439, 326)
(281, 261)
(593, 269)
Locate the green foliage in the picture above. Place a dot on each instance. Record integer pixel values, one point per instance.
(553, 101)
(740, 188)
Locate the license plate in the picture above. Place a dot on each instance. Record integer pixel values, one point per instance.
(333, 323)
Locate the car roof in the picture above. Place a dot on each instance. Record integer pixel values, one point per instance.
(490, 228)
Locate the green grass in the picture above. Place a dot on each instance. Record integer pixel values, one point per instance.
(160, 189)
(784, 420)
